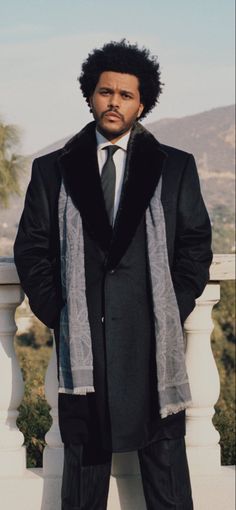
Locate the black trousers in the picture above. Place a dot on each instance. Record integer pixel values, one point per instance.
(164, 472)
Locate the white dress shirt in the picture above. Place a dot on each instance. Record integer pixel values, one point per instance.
(119, 159)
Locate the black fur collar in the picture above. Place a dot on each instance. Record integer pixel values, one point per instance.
(79, 167)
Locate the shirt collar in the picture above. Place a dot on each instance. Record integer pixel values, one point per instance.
(103, 142)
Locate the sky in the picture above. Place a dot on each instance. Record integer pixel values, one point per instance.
(44, 42)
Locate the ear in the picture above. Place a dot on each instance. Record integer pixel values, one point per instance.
(90, 103)
(140, 110)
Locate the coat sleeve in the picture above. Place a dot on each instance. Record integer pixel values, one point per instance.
(34, 252)
(192, 254)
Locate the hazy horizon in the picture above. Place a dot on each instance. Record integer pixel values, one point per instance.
(42, 46)
(145, 122)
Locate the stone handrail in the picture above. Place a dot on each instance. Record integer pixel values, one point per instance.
(202, 438)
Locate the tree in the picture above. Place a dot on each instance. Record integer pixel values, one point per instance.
(11, 163)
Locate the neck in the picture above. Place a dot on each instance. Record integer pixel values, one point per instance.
(110, 136)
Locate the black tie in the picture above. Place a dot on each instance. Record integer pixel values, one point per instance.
(108, 180)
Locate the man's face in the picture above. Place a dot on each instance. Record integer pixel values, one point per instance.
(115, 104)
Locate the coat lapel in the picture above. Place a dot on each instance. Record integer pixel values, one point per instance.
(79, 168)
(144, 166)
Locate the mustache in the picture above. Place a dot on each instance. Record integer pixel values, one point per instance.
(113, 110)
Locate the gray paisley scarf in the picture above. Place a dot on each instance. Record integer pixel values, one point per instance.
(75, 352)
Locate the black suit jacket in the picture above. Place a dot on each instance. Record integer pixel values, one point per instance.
(188, 231)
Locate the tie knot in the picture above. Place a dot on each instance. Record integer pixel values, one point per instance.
(111, 149)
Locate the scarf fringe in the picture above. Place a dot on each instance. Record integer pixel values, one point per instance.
(77, 391)
(174, 408)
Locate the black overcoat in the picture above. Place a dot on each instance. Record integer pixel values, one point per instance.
(37, 250)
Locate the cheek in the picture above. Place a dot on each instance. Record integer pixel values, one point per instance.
(100, 105)
(132, 113)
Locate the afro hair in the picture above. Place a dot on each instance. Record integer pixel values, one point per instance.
(123, 57)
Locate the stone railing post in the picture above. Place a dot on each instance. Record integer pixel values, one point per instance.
(12, 453)
(53, 452)
(202, 438)
(204, 383)
(126, 491)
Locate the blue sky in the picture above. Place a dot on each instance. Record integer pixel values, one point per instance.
(43, 43)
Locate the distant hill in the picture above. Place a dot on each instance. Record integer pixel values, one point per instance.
(209, 136)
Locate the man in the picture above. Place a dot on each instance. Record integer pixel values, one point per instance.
(113, 248)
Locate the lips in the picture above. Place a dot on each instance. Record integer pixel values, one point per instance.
(112, 115)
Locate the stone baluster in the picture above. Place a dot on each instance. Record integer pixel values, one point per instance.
(202, 438)
(126, 491)
(12, 453)
(53, 452)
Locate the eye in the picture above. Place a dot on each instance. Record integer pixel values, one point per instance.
(126, 95)
(104, 92)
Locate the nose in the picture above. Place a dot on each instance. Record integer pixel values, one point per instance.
(114, 101)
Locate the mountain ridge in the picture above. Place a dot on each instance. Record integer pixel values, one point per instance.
(208, 135)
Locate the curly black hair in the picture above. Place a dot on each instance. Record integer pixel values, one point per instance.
(123, 57)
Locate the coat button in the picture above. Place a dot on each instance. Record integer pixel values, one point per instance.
(112, 271)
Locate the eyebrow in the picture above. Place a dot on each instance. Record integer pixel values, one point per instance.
(122, 91)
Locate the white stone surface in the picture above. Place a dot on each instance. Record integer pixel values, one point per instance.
(202, 438)
(30, 492)
(34, 492)
(12, 453)
(209, 492)
(8, 272)
(222, 267)
(126, 493)
(53, 452)
(215, 492)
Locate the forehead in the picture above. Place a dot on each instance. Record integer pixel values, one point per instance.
(121, 81)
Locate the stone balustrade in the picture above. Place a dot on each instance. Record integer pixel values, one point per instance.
(39, 489)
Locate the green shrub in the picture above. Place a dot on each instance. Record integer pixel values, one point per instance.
(34, 419)
(223, 345)
(37, 336)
